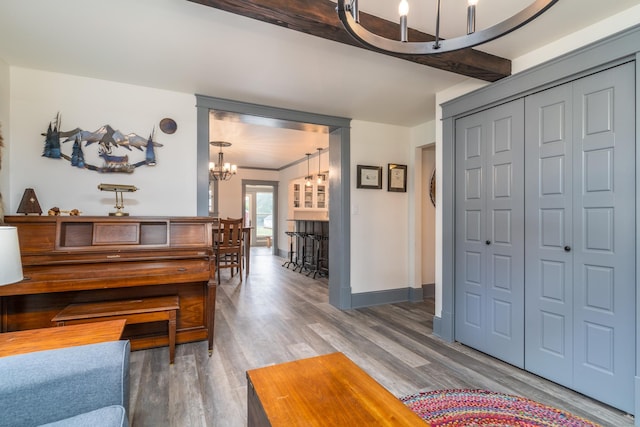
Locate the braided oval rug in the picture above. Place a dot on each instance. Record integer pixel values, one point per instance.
(462, 407)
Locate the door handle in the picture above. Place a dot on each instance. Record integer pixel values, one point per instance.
(488, 242)
(567, 248)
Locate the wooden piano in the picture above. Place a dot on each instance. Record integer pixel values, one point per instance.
(79, 259)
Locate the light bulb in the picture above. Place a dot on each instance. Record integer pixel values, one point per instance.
(472, 2)
(212, 166)
(234, 169)
(403, 7)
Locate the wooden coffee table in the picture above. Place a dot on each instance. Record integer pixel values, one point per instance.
(12, 343)
(327, 390)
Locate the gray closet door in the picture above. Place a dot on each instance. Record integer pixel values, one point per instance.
(549, 234)
(489, 288)
(580, 235)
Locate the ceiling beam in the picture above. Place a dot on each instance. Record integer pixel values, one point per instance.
(319, 18)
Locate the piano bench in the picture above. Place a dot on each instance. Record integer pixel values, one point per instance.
(142, 310)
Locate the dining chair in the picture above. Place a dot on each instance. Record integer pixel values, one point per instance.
(228, 246)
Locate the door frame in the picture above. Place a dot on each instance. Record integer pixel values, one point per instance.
(274, 212)
(611, 51)
(339, 179)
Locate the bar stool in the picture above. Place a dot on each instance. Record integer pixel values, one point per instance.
(300, 249)
(321, 266)
(309, 259)
(291, 235)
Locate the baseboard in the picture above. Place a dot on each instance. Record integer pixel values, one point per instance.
(390, 296)
(429, 290)
(443, 326)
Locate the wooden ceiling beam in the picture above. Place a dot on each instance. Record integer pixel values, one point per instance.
(319, 18)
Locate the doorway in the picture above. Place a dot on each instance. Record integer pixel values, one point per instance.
(339, 180)
(259, 210)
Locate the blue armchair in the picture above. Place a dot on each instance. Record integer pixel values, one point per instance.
(77, 386)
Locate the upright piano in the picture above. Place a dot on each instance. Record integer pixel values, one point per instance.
(73, 259)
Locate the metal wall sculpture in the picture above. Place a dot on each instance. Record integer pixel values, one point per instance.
(107, 141)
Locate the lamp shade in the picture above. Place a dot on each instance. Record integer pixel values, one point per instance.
(10, 263)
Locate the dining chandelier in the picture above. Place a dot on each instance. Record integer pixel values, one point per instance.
(349, 14)
(221, 171)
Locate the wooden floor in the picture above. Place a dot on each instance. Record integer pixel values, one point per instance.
(277, 315)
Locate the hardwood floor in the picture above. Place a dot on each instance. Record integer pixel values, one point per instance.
(278, 315)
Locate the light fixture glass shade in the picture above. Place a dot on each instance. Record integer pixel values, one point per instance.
(403, 8)
(10, 262)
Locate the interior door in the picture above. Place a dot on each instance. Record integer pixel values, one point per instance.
(549, 234)
(489, 287)
(581, 235)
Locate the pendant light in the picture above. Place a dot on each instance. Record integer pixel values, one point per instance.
(309, 177)
(321, 176)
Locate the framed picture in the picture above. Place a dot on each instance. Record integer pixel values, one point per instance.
(369, 177)
(397, 178)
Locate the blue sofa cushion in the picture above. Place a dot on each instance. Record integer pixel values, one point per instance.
(47, 386)
(108, 416)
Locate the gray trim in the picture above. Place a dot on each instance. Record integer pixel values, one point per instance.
(339, 219)
(417, 294)
(637, 347)
(429, 290)
(612, 50)
(339, 180)
(389, 296)
(212, 103)
(202, 162)
(448, 232)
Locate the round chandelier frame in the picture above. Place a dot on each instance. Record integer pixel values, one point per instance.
(349, 16)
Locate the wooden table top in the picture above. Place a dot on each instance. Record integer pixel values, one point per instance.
(327, 390)
(20, 342)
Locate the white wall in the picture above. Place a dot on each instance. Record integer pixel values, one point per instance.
(169, 188)
(5, 132)
(593, 33)
(379, 219)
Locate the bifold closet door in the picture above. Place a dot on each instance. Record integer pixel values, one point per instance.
(489, 284)
(581, 234)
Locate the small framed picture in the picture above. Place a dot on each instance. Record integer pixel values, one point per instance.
(369, 177)
(397, 178)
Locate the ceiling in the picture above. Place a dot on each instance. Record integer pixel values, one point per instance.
(183, 46)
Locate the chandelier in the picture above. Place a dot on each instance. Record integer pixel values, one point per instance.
(221, 171)
(350, 17)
